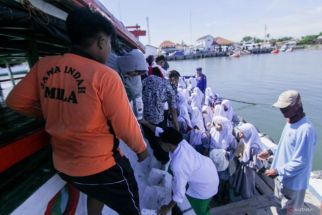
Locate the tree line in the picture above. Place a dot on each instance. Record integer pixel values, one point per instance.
(305, 40)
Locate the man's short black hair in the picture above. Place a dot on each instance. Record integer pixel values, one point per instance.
(157, 72)
(150, 60)
(83, 24)
(159, 58)
(174, 74)
(172, 136)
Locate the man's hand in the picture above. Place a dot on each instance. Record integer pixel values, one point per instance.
(143, 155)
(264, 155)
(164, 210)
(177, 126)
(271, 172)
(142, 121)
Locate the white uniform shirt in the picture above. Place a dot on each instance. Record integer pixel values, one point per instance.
(189, 166)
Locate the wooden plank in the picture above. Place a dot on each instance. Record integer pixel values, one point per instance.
(262, 187)
(249, 206)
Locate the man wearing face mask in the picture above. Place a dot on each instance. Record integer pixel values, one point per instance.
(292, 161)
(132, 65)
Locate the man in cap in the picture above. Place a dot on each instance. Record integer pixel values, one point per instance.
(132, 65)
(201, 80)
(292, 161)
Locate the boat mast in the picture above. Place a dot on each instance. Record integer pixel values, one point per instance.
(148, 29)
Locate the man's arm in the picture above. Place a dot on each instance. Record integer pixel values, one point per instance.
(118, 112)
(24, 98)
(180, 180)
(165, 209)
(175, 117)
(171, 97)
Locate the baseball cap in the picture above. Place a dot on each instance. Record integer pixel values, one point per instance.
(286, 99)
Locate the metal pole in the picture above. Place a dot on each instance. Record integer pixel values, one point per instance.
(148, 28)
(10, 74)
(32, 52)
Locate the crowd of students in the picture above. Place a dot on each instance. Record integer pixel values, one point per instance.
(205, 121)
(88, 109)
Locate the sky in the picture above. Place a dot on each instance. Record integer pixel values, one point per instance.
(188, 20)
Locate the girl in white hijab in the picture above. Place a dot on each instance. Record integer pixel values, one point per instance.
(230, 114)
(192, 83)
(207, 114)
(185, 93)
(244, 180)
(222, 139)
(183, 114)
(222, 135)
(198, 135)
(219, 111)
(210, 97)
(196, 119)
(196, 100)
(199, 93)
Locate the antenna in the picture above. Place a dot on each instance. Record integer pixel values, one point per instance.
(119, 8)
(148, 29)
(190, 26)
(265, 33)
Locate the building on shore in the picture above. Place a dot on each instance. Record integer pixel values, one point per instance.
(205, 43)
(167, 47)
(222, 45)
(151, 50)
(209, 43)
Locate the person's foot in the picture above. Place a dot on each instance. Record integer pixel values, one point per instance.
(176, 210)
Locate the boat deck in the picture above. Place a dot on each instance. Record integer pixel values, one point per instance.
(265, 205)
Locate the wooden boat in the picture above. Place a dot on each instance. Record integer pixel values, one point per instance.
(275, 51)
(28, 183)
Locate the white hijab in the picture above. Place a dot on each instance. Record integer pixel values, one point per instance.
(251, 139)
(209, 92)
(195, 101)
(185, 93)
(207, 114)
(196, 98)
(192, 83)
(230, 112)
(182, 84)
(210, 97)
(198, 92)
(219, 111)
(221, 139)
(196, 119)
(183, 109)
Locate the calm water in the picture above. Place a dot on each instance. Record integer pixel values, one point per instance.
(260, 79)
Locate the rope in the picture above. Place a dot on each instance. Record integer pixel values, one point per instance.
(246, 102)
(244, 107)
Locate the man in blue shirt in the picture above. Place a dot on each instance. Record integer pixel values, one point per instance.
(292, 161)
(201, 80)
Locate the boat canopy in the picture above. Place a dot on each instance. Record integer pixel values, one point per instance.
(30, 29)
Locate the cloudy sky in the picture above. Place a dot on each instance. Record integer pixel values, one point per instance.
(187, 20)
